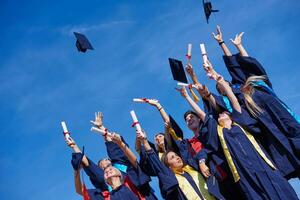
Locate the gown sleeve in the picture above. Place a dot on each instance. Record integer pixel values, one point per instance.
(116, 154)
(167, 179)
(96, 175)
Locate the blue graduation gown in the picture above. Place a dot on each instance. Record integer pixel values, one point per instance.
(240, 68)
(168, 183)
(280, 135)
(96, 175)
(257, 179)
(284, 130)
(215, 159)
(95, 194)
(136, 175)
(122, 192)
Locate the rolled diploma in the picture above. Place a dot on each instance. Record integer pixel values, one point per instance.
(97, 130)
(203, 52)
(185, 84)
(138, 100)
(189, 53)
(135, 121)
(66, 132)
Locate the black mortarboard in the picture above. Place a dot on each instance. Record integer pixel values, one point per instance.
(177, 70)
(176, 127)
(77, 159)
(208, 9)
(82, 43)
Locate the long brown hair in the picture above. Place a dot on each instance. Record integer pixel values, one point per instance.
(248, 90)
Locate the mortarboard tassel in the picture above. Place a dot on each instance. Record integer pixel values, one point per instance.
(195, 97)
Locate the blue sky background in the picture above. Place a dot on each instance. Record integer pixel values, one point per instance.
(45, 80)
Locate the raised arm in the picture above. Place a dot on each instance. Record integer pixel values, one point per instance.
(72, 144)
(78, 184)
(219, 39)
(116, 138)
(192, 103)
(228, 91)
(189, 69)
(238, 44)
(155, 103)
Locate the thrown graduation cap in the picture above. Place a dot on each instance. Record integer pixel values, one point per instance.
(176, 127)
(82, 43)
(208, 9)
(177, 70)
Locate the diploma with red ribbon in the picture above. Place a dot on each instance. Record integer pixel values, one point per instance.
(136, 123)
(189, 52)
(203, 52)
(102, 132)
(65, 131)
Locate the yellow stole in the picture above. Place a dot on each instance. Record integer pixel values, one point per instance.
(160, 154)
(171, 132)
(228, 157)
(188, 189)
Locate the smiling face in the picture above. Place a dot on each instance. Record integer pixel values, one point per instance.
(224, 118)
(173, 161)
(160, 140)
(192, 121)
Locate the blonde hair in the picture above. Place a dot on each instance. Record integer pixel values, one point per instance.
(248, 90)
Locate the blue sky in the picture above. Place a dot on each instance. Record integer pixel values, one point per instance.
(45, 80)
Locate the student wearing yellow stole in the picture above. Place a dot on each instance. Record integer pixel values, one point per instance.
(250, 166)
(177, 180)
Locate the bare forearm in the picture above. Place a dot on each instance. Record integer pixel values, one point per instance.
(194, 78)
(129, 154)
(212, 101)
(78, 184)
(225, 49)
(231, 96)
(146, 145)
(137, 145)
(242, 50)
(195, 106)
(163, 113)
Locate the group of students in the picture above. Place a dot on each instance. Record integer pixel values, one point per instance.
(246, 144)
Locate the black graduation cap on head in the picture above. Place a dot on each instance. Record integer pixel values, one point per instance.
(208, 9)
(82, 43)
(177, 70)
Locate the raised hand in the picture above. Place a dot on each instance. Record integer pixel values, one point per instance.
(218, 37)
(116, 138)
(182, 91)
(189, 69)
(238, 39)
(153, 102)
(141, 135)
(203, 91)
(210, 72)
(98, 119)
(70, 142)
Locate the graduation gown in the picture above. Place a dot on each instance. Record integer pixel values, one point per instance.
(281, 130)
(256, 178)
(241, 67)
(169, 185)
(134, 178)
